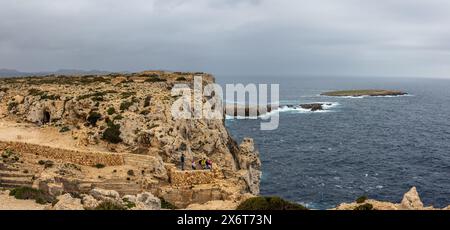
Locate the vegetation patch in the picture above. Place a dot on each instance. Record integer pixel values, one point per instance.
(64, 129)
(93, 118)
(126, 95)
(269, 203)
(112, 133)
(12, 105)
(361, 199)
(125, 105)
(99, 166)
(364, 207)
(26, 193)
(167, 205)
(111, 111)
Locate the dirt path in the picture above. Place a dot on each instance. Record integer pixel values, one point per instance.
(47, 136)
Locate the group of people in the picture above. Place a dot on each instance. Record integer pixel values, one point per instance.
(203, 163)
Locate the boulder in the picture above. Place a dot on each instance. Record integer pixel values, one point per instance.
(66, 202)
(105, 195)
(89, 202)
(411, 200)
(19, 99)
(149, 200)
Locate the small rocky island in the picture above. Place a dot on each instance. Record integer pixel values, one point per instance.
(367, 92)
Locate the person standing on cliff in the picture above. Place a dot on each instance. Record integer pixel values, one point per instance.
(182, 161)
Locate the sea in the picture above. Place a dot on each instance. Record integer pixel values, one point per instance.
(374, 146)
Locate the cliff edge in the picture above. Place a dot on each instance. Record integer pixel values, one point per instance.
(73, 134)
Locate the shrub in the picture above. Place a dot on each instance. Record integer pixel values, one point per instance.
(64, 129)
(125, 105)
(269, 203)
(364, 207)
(112, 133)
(167, 205)
(111, 111)
(118, 117)
(145, 112)
(126, 95)
(181, 79)
(361, 199)
(128, 204)
(93, 118)
(26, 193)
(99, 166)
(12, 105)
(155, 79)
(109, 205)
(130, 173)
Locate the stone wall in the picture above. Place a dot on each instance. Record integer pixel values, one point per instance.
(67, 155)
(192, 177)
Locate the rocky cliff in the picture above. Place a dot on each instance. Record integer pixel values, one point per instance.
(117, 132)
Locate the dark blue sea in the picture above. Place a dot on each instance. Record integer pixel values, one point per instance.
(374, 146)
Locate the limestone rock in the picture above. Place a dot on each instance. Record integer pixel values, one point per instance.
(105, 195)
(19, 99)
(89, 202)
(66, 202)
(411, 200)
(149, 200)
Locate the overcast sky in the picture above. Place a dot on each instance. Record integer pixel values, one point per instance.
(320, 37)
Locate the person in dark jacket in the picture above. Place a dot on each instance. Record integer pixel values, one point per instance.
(182, 161)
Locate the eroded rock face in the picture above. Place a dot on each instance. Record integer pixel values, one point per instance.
(105, 195)
(411, 200)
(131, 114)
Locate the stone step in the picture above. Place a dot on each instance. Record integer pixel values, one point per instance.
(12, 186)
(13, 174)
(16, 181)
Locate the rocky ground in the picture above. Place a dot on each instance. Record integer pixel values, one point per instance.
(74, 134)
(411, 201)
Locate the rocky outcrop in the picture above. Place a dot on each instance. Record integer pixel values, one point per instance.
(119, 134)
(411, 201)
(66, 202)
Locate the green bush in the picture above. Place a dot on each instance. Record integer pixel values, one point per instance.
(364, 207)
(109, 205)
(111, 111)
(93, 118)
(269, 203)
(99, 166)
(12, 105)
(166, 205)
(64, 129)
(125, 105)
(126, 95)
(181, 79)
(112, 133)
(26, 193)
(361, 199)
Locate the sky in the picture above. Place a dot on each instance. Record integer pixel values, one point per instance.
(284, 37)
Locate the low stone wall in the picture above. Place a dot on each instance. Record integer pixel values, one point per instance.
(67, 155)
(192, 177)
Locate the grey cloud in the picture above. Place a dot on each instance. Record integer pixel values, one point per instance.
(328, 37)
